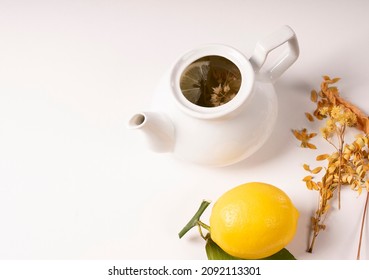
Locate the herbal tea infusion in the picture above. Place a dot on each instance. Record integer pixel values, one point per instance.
(210, 81)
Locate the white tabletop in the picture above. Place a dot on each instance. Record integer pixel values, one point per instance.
(76, 184)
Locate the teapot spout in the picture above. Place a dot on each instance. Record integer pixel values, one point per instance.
(157, 128)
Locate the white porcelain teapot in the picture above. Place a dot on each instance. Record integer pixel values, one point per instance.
(215, 106)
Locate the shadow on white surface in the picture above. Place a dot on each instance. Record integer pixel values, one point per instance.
(292, 98)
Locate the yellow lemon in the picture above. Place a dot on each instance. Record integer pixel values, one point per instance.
(253, 221)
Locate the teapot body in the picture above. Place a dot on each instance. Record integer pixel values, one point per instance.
(215, 106)
(224, 140)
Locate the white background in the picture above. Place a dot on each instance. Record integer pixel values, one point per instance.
(76, 184)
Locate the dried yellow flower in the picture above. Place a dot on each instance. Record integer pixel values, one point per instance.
(325, 132)
(330, 95)
(324, 111)
(350, 118)
(335, 112)
(349, 164)
(304, 137)
(330, 125)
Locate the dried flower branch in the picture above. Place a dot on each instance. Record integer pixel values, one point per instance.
(348, 164)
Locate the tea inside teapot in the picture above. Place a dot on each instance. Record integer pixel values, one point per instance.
(210, 81)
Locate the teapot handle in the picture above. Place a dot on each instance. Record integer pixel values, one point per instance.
(283, 62)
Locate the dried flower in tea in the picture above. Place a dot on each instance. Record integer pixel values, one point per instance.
(210, 81)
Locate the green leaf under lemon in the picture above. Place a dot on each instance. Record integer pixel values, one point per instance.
(214, 252)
